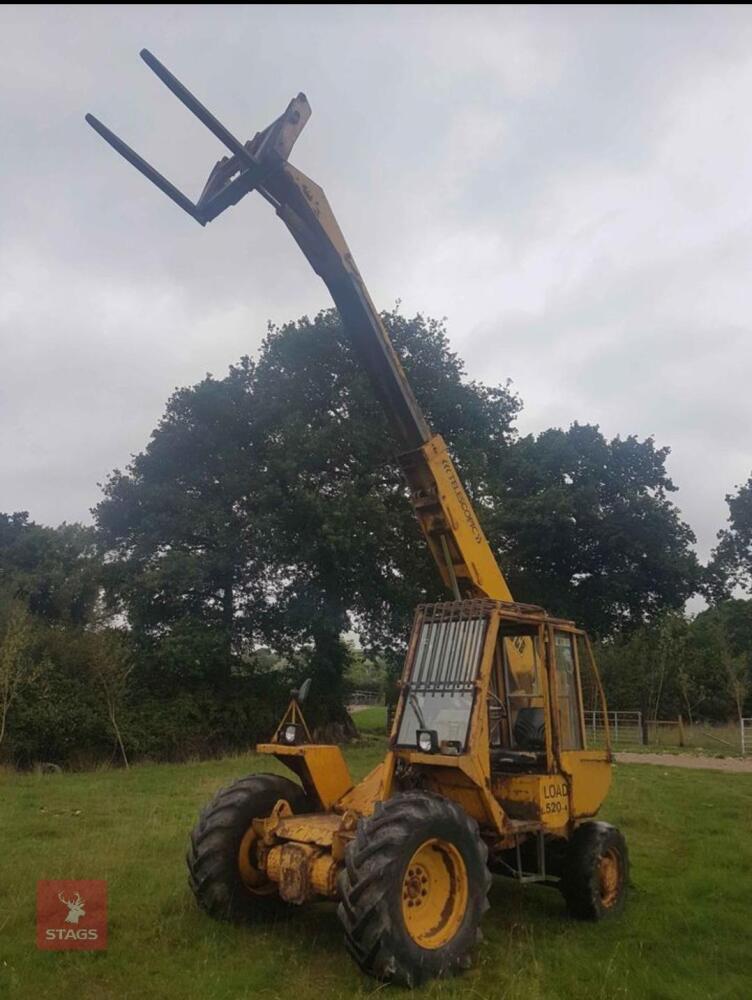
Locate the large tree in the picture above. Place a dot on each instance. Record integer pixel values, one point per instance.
(50, 582)
(589, 531)
(268, 504)
(699, 668)
(54, 572)
(731, 563)
(181, 527)
(342, 532)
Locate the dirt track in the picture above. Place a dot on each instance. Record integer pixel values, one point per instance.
(733, 764)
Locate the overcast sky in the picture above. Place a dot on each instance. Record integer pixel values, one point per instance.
(569, 186)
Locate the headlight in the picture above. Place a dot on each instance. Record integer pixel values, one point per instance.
(428, 740)
(290, 734)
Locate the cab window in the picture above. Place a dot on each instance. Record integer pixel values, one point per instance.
(570, 722)
(516, 707)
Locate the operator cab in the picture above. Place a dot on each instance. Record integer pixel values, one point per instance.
(533, 710)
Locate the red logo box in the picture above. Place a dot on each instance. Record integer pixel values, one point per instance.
(72, 915)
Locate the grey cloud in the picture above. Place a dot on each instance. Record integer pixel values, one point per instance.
(568, 185)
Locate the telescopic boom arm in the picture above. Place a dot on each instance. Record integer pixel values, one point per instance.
(457, 543)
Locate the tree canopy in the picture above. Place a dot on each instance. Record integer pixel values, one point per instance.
(266, 524)
(589, 531)
(341, 528)
(181, 529)
(731, 562)
(268, 506)
(700, 668)
(53, 571)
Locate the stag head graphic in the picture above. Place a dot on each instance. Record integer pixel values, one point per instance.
(75, 907)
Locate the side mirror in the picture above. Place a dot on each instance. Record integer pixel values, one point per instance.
(302, 693)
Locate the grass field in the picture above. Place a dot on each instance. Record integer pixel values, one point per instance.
(371, 719)
(685, 933)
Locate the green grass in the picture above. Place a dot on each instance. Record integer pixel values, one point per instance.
(685, 933)
(371, 720)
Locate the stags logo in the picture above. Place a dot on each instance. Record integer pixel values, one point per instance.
(75, 907)
(72, 915)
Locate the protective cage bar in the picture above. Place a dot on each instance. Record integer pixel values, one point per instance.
(448, 647)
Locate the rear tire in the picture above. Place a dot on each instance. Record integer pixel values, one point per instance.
(595, 872)
(414, 889)
(224, 886)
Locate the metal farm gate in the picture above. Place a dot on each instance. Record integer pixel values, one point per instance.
(625, 728)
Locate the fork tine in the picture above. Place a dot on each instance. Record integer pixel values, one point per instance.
(146, 169)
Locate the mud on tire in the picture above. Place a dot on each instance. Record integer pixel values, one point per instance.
(213, 853)
(376, 883)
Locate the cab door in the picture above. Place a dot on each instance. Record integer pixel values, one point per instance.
(517, 704)
(588, 771)
(567, 700)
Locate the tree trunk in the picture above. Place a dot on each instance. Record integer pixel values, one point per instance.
(119, 738)
(228, 613)
(330, 658)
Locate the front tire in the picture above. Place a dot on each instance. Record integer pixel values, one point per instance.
(414, 889)
(595, 872)
(220, 857)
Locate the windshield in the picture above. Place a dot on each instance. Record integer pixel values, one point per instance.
(441, 681)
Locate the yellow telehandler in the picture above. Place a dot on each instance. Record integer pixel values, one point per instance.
(487, 767)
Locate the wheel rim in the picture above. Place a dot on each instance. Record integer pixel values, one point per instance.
(434, 893)
(253, 879)
(609, 877)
